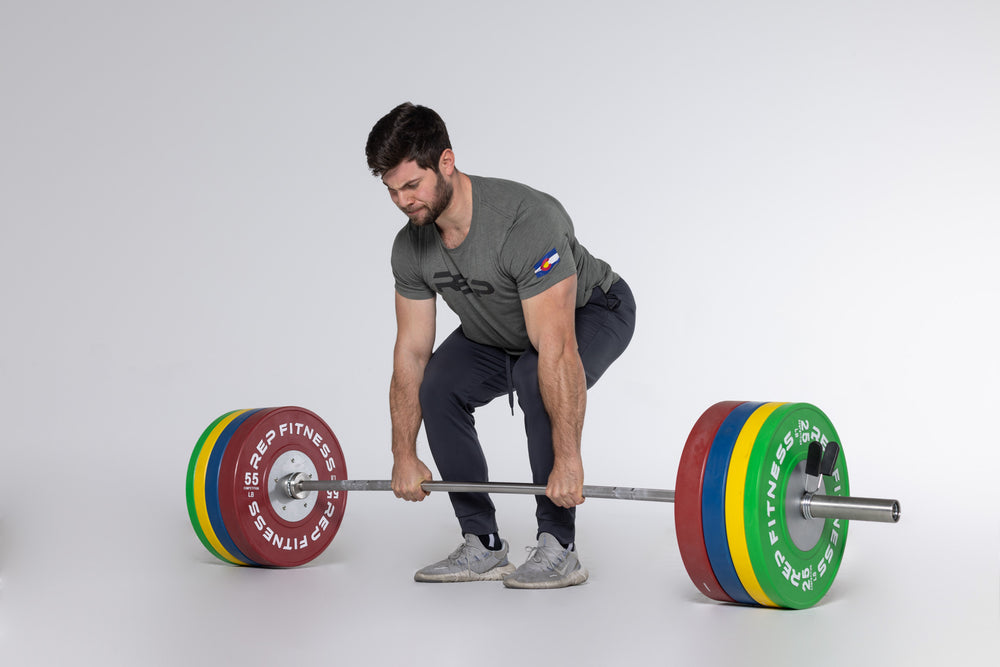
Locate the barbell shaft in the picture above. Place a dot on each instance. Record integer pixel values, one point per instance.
(882, 510)
(610, 492)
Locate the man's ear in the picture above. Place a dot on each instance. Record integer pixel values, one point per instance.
(446, 163)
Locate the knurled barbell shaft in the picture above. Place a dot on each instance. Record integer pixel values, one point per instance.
(612, 492)
(882, 510)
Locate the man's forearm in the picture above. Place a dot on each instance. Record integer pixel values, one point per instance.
(404, 409)
(408, 471)
(563, 386)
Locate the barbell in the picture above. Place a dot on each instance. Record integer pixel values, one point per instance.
(761, 507)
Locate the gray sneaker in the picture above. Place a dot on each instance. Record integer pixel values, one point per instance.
(469, 562)
(549, 565)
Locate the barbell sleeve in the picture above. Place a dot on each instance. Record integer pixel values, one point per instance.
(882, 510)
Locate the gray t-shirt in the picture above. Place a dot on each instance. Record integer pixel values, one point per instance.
(521, 242)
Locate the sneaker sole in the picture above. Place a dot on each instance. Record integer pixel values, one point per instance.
(493, 574)
(572, 579)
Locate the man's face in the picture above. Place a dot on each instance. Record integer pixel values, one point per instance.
(422, 194)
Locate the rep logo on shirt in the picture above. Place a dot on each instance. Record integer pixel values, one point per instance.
(459, 283)
(546, 263)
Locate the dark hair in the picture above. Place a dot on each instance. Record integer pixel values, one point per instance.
(408, 132)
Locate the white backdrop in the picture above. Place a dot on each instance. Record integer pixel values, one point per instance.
(802, 195)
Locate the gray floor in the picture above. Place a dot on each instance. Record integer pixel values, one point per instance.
(140, 589)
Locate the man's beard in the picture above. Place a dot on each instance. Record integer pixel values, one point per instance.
(443, 192)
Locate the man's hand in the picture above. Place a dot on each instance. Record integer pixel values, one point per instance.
(407, 475)
(565, 486)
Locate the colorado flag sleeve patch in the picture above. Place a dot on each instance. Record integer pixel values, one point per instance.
(546, 263)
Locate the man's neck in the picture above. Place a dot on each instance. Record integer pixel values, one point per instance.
(455, 221)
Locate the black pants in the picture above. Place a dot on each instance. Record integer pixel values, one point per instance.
(462, 376)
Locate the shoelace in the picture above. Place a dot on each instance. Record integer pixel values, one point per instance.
(463, 556)
(538, 555)
(460, 554)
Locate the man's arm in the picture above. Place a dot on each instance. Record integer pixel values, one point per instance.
(551, 322)
(415, 329)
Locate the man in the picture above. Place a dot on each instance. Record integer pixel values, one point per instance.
(540, 316)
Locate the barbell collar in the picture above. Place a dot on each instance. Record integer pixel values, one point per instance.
(813, 506)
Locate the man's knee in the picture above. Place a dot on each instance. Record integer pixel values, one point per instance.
(434, 388)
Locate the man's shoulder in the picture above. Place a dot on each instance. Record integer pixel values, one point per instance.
(510, 198)
(503, 187)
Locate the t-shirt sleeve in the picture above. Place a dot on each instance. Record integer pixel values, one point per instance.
(406, 267)
(538, 251)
